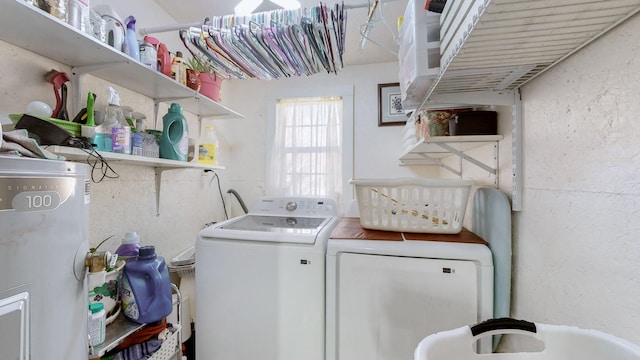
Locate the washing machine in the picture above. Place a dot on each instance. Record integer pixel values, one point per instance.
(386, 291)
(260, 282)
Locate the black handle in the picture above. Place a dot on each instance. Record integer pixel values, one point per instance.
(502, 324)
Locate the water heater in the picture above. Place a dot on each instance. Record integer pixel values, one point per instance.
(44, 214)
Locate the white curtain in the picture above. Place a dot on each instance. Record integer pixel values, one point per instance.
(306, 158)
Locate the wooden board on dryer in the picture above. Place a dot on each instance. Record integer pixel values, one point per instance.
(349, 228)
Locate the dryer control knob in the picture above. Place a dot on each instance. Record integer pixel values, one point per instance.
(291, 206)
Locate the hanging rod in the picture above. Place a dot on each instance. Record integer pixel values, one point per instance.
(166, 28)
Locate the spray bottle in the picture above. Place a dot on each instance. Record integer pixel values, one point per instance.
(120, 130)
(133, 48)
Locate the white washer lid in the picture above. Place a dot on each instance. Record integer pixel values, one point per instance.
(282, 229)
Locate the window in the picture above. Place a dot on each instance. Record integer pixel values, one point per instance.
(306, 154)
(275, 175)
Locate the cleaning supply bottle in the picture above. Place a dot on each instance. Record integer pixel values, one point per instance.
(130, 246)
(148, 54)
(97, 323)
(179, 69)
(120, 130)
(133, 48)
(146, 287)
(164, 60)
(103, 137)
(174, 143)
(208, 149)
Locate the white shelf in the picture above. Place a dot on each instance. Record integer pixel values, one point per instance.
(491, 48)
(79, 155)
(160, 165)
(430, 150)
(499, 45)
(32, 29)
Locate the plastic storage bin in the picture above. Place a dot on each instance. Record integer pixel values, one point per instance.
(412, 205)
(560, 343)
(418, 54)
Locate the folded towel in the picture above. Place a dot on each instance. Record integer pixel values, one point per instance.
(17, 142)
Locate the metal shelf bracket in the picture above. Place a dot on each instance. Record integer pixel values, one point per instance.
(77, 73)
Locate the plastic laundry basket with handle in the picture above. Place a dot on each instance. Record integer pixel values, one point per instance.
(412, 204)
(560, 343)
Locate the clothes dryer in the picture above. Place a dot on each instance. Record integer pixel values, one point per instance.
(386, 291)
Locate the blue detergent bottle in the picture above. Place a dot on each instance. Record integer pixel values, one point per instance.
(146, 287)
(174, 143)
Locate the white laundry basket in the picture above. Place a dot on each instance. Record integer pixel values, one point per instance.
(560, 343)
(412, 204)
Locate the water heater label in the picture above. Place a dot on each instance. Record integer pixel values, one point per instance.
(25, 194)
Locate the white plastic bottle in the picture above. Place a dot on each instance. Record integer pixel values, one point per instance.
(97, 323)
(208, 148)
(120, 129)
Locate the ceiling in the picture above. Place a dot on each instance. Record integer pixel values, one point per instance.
(383, 32)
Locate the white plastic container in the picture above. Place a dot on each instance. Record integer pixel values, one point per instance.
(418, 54)
(412, 204)
(97, 323)
(560, 342)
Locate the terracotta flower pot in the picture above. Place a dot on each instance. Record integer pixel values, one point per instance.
(210, 85)
(193, 79)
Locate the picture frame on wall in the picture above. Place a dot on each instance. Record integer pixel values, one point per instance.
(390, 105)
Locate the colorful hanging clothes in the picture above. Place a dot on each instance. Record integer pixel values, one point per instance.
(272, 44)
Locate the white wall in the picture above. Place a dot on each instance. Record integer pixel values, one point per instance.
(577, 240)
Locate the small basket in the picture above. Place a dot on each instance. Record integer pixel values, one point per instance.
(183, 271)
(412, 205)
(169, 347)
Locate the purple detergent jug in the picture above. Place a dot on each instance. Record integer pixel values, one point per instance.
(146, 287)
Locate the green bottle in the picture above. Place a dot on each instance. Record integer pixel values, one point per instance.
(174, 143)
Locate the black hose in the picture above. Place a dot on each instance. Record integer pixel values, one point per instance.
(235, 193)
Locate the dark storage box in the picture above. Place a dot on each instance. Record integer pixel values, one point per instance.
(474, 123)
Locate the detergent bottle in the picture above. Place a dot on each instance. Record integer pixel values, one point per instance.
(148, 54)
(130, 246)
(208, 149)
(146, 287)
(174, 143)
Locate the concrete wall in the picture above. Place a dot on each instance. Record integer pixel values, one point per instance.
(577, 241)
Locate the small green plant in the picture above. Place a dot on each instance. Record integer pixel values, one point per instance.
(94, 249)
(199, 65)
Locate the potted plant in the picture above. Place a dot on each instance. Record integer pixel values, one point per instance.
(107, 293)
(210, 82)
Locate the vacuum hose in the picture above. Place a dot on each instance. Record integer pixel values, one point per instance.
(235, 193)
